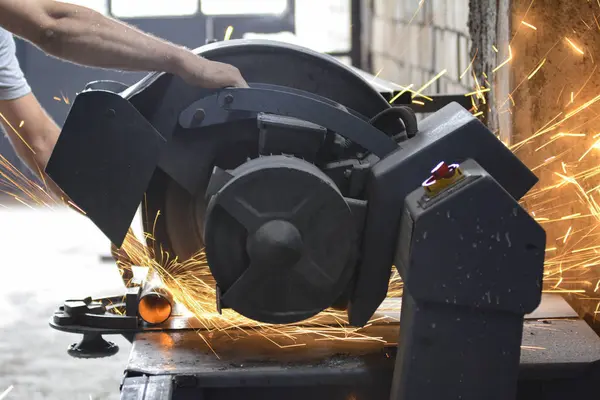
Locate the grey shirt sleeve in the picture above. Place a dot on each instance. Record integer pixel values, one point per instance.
(12, 81)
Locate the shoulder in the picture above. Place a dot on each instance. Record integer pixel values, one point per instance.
(12, 80)
(6, 39)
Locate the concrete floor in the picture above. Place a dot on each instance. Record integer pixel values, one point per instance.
(49, 256)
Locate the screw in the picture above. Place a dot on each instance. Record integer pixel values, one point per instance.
(111, 112)
(199, 115)
(228, 98)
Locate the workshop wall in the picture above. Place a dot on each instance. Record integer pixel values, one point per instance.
(413, 41)
(410, 42)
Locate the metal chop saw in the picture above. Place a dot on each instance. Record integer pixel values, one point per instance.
(305, 190)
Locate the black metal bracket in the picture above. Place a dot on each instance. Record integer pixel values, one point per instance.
(291, 103)
(472, 261)
(107, 315)
(94, 318)
(104, 159)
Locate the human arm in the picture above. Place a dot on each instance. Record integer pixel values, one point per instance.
(84, 36)
(33, 135)
(30, 129)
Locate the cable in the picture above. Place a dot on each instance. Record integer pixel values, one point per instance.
(391, 115)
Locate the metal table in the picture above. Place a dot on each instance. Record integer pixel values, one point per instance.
(560, 354)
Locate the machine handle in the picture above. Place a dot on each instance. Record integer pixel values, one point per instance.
(291, 103)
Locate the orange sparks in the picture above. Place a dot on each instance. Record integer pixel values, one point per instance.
(571, 216)
(529, 25)
(537, 69)
(429, 83)
(581, 108)
(560, 93)
(564, 291)
(16, 133)
(509, 59)
(76, 207)
(585, 23)
(418, 102)
(470, 64)
(596, 145)
(574, 46)
(417, 11)
(567, 234)
(396, 97)
(228, 33)
(65, 98)
(558, 283)
(585, 83)
(477, 92)
(559, 136)
(478, 88)
(532, 348)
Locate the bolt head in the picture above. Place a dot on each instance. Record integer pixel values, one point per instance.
(199, 114)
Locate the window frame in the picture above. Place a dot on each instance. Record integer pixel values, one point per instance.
(196, 13)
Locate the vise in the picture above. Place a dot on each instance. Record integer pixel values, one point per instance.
(305, 190)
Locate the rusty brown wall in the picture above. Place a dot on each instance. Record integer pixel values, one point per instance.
(540, 99)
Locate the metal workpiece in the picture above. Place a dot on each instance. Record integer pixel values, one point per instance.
(156, 303)
(472, 262)
(453, 135)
